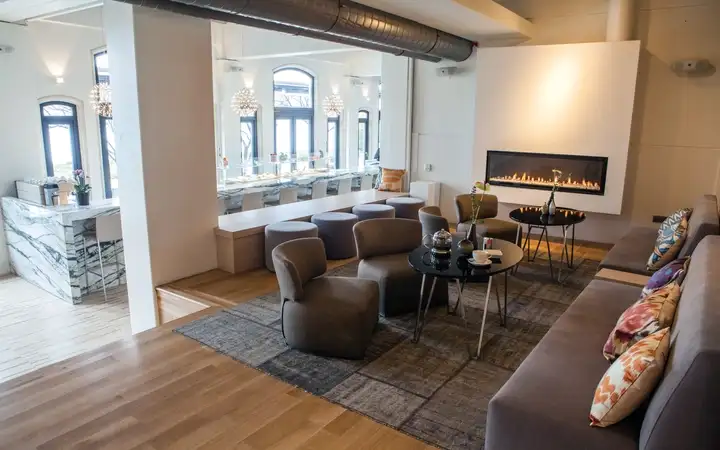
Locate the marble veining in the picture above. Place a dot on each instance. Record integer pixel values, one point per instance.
(47, 247)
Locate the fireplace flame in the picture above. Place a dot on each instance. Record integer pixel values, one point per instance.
(568, 183)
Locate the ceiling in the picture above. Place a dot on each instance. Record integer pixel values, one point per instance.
(478, 20)
(22, 10)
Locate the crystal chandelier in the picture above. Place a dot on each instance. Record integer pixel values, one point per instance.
(244, 102)
(333, 105)
(101, 99)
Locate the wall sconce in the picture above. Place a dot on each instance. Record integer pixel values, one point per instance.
(59, 80)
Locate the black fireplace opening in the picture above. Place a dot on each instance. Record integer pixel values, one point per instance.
(580, 174)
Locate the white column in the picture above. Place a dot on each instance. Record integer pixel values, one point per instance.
(161, 65)
(397, 76)
(621, 20)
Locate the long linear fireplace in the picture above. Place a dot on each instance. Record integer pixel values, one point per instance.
(580, 174)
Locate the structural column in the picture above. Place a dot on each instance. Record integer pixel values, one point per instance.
(161, 65)
(397, 90)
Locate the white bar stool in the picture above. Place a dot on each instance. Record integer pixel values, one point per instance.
(319, 189)
(344, 186)
(367, 182)
(253, 200)
(288, 195)
(108, 230)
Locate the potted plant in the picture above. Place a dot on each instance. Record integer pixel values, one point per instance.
(82, 188)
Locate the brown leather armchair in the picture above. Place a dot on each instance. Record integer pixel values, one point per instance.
(488, 225)
(332, 316)
(383, 246)
(432, 220)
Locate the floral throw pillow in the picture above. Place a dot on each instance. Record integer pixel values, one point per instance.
(646, 316)
(671, 237)
(675, 271)
(391, 180)
(630, 380)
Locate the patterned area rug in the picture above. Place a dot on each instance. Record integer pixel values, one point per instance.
(433, 390)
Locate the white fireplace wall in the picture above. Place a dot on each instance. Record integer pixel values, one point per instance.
(572, 99)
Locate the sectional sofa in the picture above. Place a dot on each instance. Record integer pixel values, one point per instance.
(545, 404)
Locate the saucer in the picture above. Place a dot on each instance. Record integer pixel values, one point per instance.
(472, 262)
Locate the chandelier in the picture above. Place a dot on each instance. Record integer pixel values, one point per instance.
(333, 105)
(101, 99)
(244, 102)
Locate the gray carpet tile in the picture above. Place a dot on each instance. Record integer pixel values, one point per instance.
(376, 399)
(434, 390)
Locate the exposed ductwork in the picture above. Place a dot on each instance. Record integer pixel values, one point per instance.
(341, 21)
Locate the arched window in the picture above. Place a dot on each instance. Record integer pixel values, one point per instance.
(294, 94)
(61, 138)
(101, 68)
(333, 140)
(363, 137)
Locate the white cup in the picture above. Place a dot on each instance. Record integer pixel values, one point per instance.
(480, 256)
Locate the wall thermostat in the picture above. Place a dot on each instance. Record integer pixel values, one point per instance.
(6, 49)
(447, 71)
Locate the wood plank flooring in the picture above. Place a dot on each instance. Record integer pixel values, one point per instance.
(160, 390)
(37, 329)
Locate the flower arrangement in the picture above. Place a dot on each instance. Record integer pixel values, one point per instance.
(81, 185)
(225, 162)
(483, 187)
(284, 157)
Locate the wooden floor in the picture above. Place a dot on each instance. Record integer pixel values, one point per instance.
(37, 329)
(160, 390)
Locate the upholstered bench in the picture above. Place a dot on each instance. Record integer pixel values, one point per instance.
(373, 211)
(406, 207)
(278, 233)
(336, 231)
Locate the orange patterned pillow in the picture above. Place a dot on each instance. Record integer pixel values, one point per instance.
(646, 316)
(630, 380)
(391, 180)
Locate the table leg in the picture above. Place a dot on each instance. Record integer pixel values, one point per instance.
(544, 233)
(482, 326)
(497, 299)
(459, 300)
(418, 322)
(527, 242)
(504, 322)
(572, 247)
(563, 253)
(547, 241)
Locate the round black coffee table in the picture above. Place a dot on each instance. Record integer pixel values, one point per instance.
(457, 267)
(565, 218)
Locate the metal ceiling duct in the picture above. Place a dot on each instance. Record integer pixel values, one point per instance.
(341, 21)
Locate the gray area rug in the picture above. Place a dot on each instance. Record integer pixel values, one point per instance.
(433, 390)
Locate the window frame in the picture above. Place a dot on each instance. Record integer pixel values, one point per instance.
(295, 114)
(102, 125)
(253, 121)
(74, 126)
(364, 121)
(336, 121)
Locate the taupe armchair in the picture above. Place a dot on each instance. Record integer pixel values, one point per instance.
(490, 226)
(383, 246)
(332, 316)
(432, 220)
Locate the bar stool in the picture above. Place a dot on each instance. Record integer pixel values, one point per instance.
(253, 200)
(108, 230)
(288, 195)
(336, 231)
(406, 207)
(367, 182)
(318, 190)
(344, 186)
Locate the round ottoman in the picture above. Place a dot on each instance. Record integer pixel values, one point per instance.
(406, 207)
(336, 231)
(277, 233)
(373, 211)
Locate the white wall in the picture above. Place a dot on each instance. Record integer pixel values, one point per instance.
(163, 111)
(561, 99)
(42, 52)
(259, 53)
(675, 120)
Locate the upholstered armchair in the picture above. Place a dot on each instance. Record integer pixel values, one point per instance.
(332, 316)
(383, 246)
(488, 225)
(432, 220)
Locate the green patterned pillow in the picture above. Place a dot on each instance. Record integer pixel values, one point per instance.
(671, 237)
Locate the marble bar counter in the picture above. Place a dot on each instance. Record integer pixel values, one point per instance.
(46, 248)
(234, 188)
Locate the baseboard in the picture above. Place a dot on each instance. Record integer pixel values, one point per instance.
(173, 304)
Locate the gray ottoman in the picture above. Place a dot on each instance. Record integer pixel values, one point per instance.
(336, 231)
(277, 233)
(373, 211)
(406, 207)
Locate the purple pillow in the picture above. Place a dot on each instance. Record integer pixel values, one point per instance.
(671, 272)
